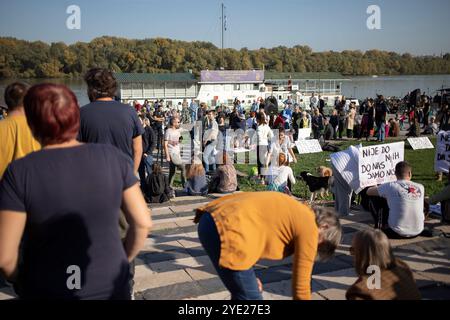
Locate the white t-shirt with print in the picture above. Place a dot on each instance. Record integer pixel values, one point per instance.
(405, 201)
(173, 137)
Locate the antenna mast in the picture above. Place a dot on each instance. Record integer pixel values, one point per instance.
(224, 28)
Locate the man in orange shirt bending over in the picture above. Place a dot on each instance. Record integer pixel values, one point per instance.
(238, 230)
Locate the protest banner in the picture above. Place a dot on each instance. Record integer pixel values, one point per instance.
(304, 133)
(420, 143)
(241, 150)
(308, 146)
(377, 163)
(442, 158)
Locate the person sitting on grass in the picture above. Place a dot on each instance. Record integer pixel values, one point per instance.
(396, 281)
(158, 190)
(225, 179)
(238, 230)
(196, 184)
(405, 199)
(283, 178)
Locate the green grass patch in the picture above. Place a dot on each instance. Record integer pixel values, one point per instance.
(422, 162)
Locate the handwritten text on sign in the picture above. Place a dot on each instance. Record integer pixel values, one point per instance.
(377, 163)
(308, 146)
(442, 159)
(420, 143)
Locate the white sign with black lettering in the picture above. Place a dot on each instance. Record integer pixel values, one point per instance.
(442, 159)
(308, 146)
(377, 163)
(240, 150)
(304, 133)
(420, 143)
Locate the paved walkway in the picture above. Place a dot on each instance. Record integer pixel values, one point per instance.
(173, 265)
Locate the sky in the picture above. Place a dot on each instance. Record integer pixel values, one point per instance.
(420, 27)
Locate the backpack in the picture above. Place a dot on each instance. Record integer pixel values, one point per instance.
(329, 147)
(156, 184)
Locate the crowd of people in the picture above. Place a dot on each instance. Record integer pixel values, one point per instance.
(72, 185)
(370, 120)
(70, 193)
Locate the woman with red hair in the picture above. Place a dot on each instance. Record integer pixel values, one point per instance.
(62, 204)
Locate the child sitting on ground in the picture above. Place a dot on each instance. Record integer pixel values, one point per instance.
(157, 189)
(196, 184)
(284, 176)
(396, 281)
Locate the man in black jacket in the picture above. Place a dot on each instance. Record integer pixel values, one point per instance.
(321, 106)
(380, 117)
(148, 145)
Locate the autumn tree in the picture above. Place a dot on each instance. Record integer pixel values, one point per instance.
(24, 59)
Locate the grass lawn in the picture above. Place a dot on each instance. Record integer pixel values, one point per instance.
(422, 162)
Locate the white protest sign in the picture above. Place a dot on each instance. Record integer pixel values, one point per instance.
(240, 150)
(377, 163)
(442, 159)
(304, 133)
(308, 146)
(420, 143)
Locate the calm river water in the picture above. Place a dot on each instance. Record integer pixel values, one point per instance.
(359, 87)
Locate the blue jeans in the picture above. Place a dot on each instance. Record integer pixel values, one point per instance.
(193, 117)
(381, 130)
(241, 284)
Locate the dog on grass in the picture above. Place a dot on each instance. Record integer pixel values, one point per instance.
(324, 171)
(318, 185)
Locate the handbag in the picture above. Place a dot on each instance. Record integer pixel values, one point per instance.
(175, 157)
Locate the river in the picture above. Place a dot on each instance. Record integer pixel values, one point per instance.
(359, 87)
